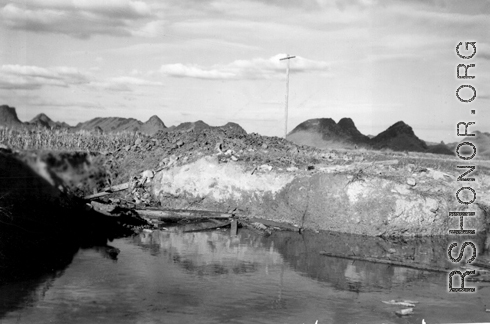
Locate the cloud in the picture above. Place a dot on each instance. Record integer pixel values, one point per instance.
(65, 103)
(34, 77)
(135, 81)
(80, 18)
(258, 68)
(123, 83)
(151, 29)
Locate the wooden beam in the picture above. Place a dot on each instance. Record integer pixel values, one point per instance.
(413, 265)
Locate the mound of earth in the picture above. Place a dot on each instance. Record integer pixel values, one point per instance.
(150, 152)
(324, 132)
(8, 117)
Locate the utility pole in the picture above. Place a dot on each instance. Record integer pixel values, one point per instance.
(287, 95)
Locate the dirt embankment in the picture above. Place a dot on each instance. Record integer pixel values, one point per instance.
(225, 169)
(353, 191)
(371, 199)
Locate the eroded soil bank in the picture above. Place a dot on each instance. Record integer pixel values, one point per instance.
(362, 198)
(375, 193)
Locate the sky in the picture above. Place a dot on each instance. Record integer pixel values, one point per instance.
(377, 62)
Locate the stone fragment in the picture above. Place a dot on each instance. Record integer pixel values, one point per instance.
(138, 141)
(265, 167)
(411, 182)
(406, 311)
(146, 176)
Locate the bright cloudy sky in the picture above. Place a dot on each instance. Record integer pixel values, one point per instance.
(377, 62)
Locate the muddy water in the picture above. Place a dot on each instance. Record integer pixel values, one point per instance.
(212, 277)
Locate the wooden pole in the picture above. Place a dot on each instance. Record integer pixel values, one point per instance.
(287, 95)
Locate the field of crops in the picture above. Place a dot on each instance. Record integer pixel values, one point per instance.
(64, 140)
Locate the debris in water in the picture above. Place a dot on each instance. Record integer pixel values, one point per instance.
(403, 312)
(406, 303)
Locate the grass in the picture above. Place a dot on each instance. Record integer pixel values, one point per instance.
(63, 140)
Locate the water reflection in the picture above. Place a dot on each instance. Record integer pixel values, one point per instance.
(212, 253)
(215, 253)
(213, 277)
(302, 253)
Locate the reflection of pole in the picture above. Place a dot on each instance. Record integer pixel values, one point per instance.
(287, 95)
(279, 297)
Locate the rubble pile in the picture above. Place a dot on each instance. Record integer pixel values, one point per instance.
(174, 148)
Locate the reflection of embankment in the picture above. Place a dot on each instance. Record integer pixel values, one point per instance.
(216, 253)
(41, 228)
(15, 295)
(209, 253)
(302, 252)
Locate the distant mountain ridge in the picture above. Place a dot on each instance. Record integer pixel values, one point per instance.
(319, 132)
(44, 121)
(199, 126)
(324, 132)
(8, 118)
(399, 137)
(119, 124)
